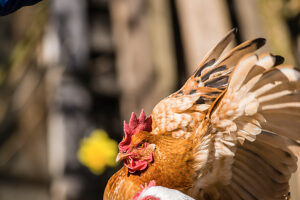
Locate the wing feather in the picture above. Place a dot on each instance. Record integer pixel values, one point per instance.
(219, 48)
(201, 89)
(253, 124)
(231, 193)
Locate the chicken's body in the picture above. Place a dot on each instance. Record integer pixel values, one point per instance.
(230, 132)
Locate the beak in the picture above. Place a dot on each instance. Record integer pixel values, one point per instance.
(121, 156)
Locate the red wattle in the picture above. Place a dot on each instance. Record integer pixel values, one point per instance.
(137, 165)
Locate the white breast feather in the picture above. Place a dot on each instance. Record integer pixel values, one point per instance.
(164, 194)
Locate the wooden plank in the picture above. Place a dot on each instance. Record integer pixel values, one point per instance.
(23, 190)
(265, 19)
(203, 23)
(145, 58)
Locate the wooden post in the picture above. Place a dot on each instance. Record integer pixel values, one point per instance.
(203, 23)
(145, 57)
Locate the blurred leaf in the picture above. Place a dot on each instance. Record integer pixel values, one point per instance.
(98, 151)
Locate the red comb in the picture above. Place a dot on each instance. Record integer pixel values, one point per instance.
(135, 125)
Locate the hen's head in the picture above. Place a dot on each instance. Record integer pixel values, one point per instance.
(135, 150)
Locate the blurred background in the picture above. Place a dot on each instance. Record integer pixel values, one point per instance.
(71, 71)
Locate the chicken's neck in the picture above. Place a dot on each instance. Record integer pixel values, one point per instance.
(171, 168)
(172, 165)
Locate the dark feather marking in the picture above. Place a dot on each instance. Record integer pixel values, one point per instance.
(259, 43)
(278, 60)
(200, 101)
(287, 154)
(213, 93)
(206, 76)
(222, 88)
(212, 99)
(199, 71)
(180, 92)
(217, 82)
(193, 91)
(209, 99)
(204, 99)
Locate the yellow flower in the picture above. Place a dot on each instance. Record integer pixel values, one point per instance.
(98, 151)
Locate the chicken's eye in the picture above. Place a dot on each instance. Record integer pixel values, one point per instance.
(141, 145)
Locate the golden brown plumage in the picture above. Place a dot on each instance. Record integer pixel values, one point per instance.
(124, 185)
(229, 133)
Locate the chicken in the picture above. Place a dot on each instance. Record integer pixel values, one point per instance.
(230, 132)
(153, 192)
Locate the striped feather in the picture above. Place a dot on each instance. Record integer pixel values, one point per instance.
(219, 48)
(255, 125)
(201, 90)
